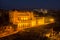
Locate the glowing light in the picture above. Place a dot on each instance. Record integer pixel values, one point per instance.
(48, 35)
(33, 23)
(8, 31)
(51, 20)
(40, 21)
(25, 20)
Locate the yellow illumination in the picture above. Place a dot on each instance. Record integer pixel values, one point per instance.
(25, 20)
(51, 20)
(40, 21)
(8, 31)
(48, 35)
(33, 23)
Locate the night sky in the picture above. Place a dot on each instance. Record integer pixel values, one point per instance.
(23, 4)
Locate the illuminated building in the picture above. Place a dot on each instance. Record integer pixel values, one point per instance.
(26, 19)
(23, 20)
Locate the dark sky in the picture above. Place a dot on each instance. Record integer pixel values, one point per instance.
(23, 4)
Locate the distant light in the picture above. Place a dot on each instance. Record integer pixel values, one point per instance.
(33, 23)
(51, 20)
